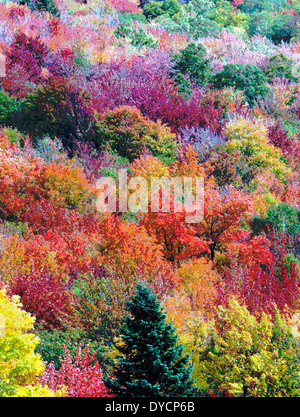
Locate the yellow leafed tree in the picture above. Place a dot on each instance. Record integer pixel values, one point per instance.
(249, 356)
(20, 366)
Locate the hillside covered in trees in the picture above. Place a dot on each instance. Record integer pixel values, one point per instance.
(142, 302)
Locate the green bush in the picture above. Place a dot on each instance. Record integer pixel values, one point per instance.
(171, 7)
(124, 30)
(129, 17)
(284, 28)
(281, 217)
(195, 18)
(154, 9)
(57, 110)
(51, 346)
(254, 6)
(126, 131)
(9, 107)
(247, 78)
(42, 5)
(227, 15)
(280, 66)
(184, 86)
(191, 61)
(260, 23)
(140, 38)
(274, 24)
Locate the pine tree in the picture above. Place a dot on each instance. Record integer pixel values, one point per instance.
(152, 363)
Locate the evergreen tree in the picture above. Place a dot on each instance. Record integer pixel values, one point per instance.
(152, 363)
(42, 5)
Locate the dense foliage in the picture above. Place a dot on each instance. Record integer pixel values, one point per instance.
(135, 93)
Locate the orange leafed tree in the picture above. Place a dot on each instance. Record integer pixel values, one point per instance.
(198, 279)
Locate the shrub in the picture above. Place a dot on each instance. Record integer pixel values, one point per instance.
(248, 356)
(140, 38)
(282, 217)
(42, 5)
(30, 185)
(248, 78)
(20, 365)
(260, 23)
(198, 279)
(194, 18)
(284, 28)
(8, 105)
(156, 8)
(202, 140)
(124, 29)
(279, 26)
(171, 7)
(65, 185)
(97, 164)
(52, 342)
(280, 66)
(58, 109)
(252, 6)
(232, 169)
(263, 272)
(228, 99)
(25, 60)
(251, 139)
(44, 296)
(153, 9)
(183, 84)
(15, 137)
(126, 131)
(97, 308)
(190, 61)
(52, 345)
(227, 15)
(279, 137)
(80, 375)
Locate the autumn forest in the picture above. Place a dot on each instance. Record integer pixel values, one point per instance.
(141, 302)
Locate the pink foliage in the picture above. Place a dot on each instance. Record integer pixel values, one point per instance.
(24, 62)
(125, 6)
(145, 84)
(96, 164)
(228, 48)
(237, 2)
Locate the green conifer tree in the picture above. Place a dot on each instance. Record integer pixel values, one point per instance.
(151, 361)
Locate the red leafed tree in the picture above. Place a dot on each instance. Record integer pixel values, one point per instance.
(262, 288)
(44, 296)
(224, 212)
(263, 273)
(248, 251)
(178, 239)
(80, 376)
